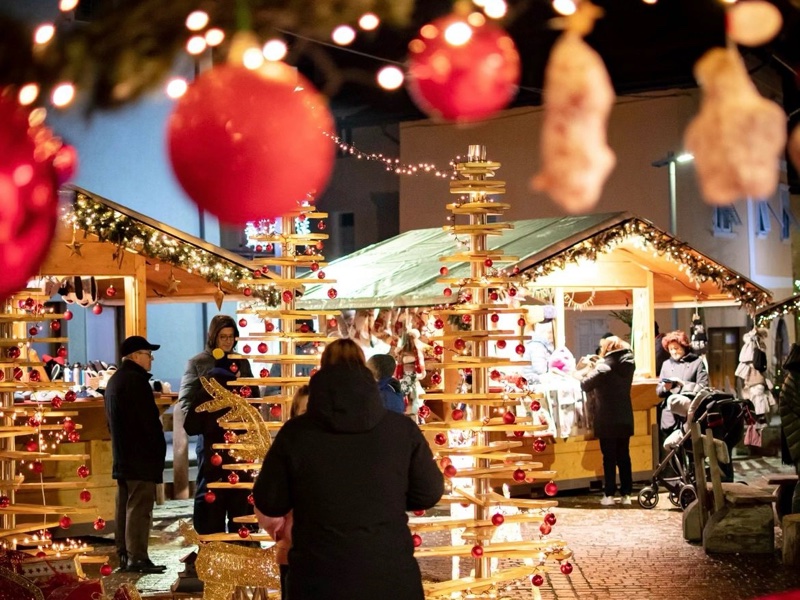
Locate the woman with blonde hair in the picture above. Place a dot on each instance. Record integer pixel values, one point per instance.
(613, 420)
(349, 469)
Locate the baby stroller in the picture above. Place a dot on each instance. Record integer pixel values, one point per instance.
(716, 411)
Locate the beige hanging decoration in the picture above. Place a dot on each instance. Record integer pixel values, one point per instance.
(219, 297)
(74, 246)
(172, 283)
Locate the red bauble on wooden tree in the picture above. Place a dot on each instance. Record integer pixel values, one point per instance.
(462, 72)
(28, 194)
(250, 144)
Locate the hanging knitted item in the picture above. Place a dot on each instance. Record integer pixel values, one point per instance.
(699, 338)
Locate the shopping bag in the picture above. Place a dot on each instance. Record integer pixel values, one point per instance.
(752, 435)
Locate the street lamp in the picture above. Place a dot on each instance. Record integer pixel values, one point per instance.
(670, 160)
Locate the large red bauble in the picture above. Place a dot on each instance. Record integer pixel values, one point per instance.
(539, 445)
(210, 497)
(465, 82)
(85, 496)
(519, 475)
(566, 568)
(233, 478)
(440, 439)
(450, 471)
(550, 519)
(551, 488)
(83, 471)
(416, 540)
(65, 522)
(545, 528)
(215, 459)
(498, 519)
(106, 570)
(243, 532)
(509, 417)
(477, 551)
(28, 195)
(249, 144)
(537, 580)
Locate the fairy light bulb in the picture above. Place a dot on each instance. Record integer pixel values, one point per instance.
(214, 36)
(343, 35)
(196, 45)
(458, 33)
(275, 50)
(495, 9)
(649, 1)
(67, 5)
(44, 33)
(476, 19)
(390, 78)
(28, 94)
(369, 21)
(252, 58)
(63, 94)
(176, 87)
(197, 20)
(564, 7)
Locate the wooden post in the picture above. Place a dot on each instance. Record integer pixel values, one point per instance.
(791, 541)
(136, 299)
(716, 479)
(180, 456)
(643, 330)
(700, 473)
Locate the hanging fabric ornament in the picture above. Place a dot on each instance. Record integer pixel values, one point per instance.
(462, 72)
(578, 96)
(28, 194)
(250, 144)
(219, 297)
(753, 22)
(738, 138)
(698, 338)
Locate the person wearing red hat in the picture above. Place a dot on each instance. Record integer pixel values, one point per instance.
(139, 451)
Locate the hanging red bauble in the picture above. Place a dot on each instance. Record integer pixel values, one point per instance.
(512, 291)
(466, 319)
(550, 488)
(495, 375)
(99, 524)
(264, 372)
(62, 351)
(457, 414)
(243, 532)
(461, 72)
(321, 274)
(332, 323)
(519, 475)
(41, 554)
(539, 445)
(275, 411)
(419, 513)
(566, 568)
(37, 467)
(210, 497)
(520, 349)
(68, 315)
(256, 274)
(521, 321)
(245, 391)
(216, 459)
(97, 309)
(535, 406)
(537, 580)
(34, 376)
(33, 330)
(438, 350)
(447, 292)
(545, 528)
(321, 226)
(229, 437)
(5, 501)
(68, 424)
(18, 373)
(55, 326)
(65, 522)
(74, 437)
(246, 349)
(13, 352)
(111, 291)
(314, 266)
(509, 417)
(439, 324)
(459, 344)
(28, 195)
(498, 519)
(477, 551)
(488, 262)
(550, 518)
(445, 461)
(424, 411)
(332, 293)
(494, 296)
(83, 471)
(501, 344)
(269, 326)
(247, 291)
(443, 271)
(440, 439)
(416, 540)
(31, 446)
(34, 421)
(106, 570)
(85, 496)
(519, 434)
(450, 471)
(304, 328)
(287, 296)
(242, 322)
(262, 348)
(494, 318)
(251, 500)
(254, 136)
(69, 396)
(233, 478)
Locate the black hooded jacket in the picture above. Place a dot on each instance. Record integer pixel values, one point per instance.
(349, 469)
(611, 380)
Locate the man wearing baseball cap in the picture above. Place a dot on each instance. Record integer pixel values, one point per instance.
(139, 450)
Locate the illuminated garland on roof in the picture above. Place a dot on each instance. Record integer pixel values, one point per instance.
(128, 233)
(792, 305)
(698, 268)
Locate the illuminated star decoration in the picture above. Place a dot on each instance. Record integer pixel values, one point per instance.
(74, 246)
(172, 285)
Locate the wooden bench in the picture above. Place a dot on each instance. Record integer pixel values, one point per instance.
(786, 483)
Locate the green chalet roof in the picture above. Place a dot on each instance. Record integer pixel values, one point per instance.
(403, 271)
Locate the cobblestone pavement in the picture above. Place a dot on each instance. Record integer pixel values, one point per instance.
(619, 552)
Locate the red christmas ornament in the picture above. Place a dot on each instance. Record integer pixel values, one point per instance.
(68, 424)
(304, 328)
(210, 497)
(501, 344)
(512, 291)
(269, 247)
(521, 322)
(243, 532)
(216, 459)
(545, 528)
(74, 437)
(494, 296)
(34, 376)
(242, 322)
(83, 471)
(440, 439)
(34, 421)
(520, 349)
(509, 417)
(539, 445)
(247, 291)
(457, 414)
(5, 501)
(234, 368)
(495, 375)
(250, 500)
(33, 330)
(28, 195)
(253, 135)
(99, 524)
(97, 309)
(246, 348)
(106, 570)
(229, 437)
(460, 72)
(264, 373)
(233, 478)
(494, 318)
(424, 411)
(444, 271)
(332, 323)
(550, 518)
(515, 271)
(477, 551)
(68, 315)
(37, 467)
(488, 262)
(537, 580)
(535, 406)
(550, 488)
(438, 350)
(321, 226)
(332, 293)
(13, 352)
(85, 496)
(447, 292)
(269, 326)
(18, 373)
(41, 554)
(466, 319)
(443, 462)
(55, 326)
(498, 519)
(416, 540)
(450, 471)
(65, 522)
(519, 475)
(519, 434)
(31, 446)
(275, 411)
(459, 344)
(566, 568)
(245, 391)
(62, 352)
(419, 513)
(287, 296)
(314, 266)
(111, 291)
(439, 324)
(262, 348)
(321, 275)
(256, 274)
(56, 402)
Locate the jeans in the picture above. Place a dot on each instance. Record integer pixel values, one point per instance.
(616, 454)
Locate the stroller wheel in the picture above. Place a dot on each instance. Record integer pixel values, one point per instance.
(648, 497)
(686, 496)
(674, 498)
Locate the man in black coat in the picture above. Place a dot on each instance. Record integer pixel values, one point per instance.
(349, 469)
(139, 451)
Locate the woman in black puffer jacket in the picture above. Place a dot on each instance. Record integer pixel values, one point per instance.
(613, 420)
